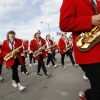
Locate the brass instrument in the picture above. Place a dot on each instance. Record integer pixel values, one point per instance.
(85, 41)
(23, 54)
(30, 51)
(38, 52)
(49, 48)
(12, 54)
(68, 48)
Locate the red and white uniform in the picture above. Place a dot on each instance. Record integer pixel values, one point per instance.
(49, 43)
(35, 45)
(6, 47)
(63, 43)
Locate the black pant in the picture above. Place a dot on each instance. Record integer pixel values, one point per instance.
(93, 73)
(23, 68)
(50, 58)
(0, 69)
(68, 53)
(31, 57)
(41, 64)
(15, 71)
(54, 56)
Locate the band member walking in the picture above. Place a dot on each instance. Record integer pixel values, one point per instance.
(24, 54)
(12, 49)
(63, 46)
(37, 45)
(1, 61)
(50, 51)
(77, 17)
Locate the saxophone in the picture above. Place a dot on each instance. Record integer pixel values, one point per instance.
(68, 48)
(30, 51)
(39, 51)
(49, 48)
(24, 53)
(12, 54)
(85, 41)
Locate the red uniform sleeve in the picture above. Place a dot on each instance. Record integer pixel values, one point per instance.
(69, 22)
(31, 46)
(4, 48)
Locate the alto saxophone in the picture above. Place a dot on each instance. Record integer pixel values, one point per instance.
(12, 54)
(68, 47)
(85, 41)
(38, 52)
(30, 51)
(24, 53)
(49, 48)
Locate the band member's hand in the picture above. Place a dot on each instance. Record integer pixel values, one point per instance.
(17, 51)
(64, 50)
(96, 20)
(34, 52)
(23, 51)
(42, 48)
(8, 54)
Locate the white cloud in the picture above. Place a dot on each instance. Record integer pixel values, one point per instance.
(25, 19)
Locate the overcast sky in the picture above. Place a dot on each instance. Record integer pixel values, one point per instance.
(24, 17)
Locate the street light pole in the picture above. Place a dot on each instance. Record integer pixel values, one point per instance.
(48, 26)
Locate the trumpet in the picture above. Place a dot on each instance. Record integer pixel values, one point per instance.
(12, 54)
(68, 48)
(38, 52)
(49, 48)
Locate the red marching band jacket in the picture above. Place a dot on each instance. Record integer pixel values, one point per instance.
(34, 47)
(1, 56)
(52, 49)
(76, 17)
(62, 45)
(6, 49)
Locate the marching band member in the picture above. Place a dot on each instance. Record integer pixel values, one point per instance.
(63, 45)
(36, 44)
(79, 16)
(1, 61)
(50, 52)
(24, 54)
(9, 45)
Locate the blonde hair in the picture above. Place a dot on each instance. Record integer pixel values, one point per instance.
(11, 31)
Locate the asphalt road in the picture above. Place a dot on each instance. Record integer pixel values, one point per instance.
(64, 83)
